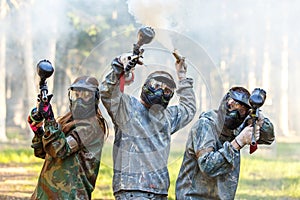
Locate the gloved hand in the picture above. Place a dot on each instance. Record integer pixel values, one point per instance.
(36, 126)
(129, 61)
(45, 108)
(125, 75)
(246, 135)
(181, 69)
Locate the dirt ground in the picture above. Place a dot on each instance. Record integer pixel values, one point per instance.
(15, 182)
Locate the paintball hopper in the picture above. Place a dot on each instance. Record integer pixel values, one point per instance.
(257, 98)
(44, 69)
(145, 36)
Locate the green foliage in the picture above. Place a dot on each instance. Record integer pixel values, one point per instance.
(273, 175)
(97, 24)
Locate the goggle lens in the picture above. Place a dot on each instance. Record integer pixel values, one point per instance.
(155, 85)
(242, 109)
(83, 94)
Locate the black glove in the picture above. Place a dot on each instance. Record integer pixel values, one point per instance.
(267, 135)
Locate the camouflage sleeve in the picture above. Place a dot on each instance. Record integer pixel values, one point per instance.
(109, 89)
(37, 143)
(61, 145)
(267, 135)
(86, 133)
(54, 141)
(183, 113)
(212, 160)
(116, 103)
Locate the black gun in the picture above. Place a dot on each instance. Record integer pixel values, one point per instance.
(44, 70)
(256, 100)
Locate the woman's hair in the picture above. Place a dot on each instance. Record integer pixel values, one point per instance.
(67, 123)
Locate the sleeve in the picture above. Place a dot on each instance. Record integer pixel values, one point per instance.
(54, 141)
(37, 143)
(60, 145)
(110, 93)
(267, 135)
(183, 113)
(212, 160)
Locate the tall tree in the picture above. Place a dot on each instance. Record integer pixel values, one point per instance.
(4, 9)
(2, 88)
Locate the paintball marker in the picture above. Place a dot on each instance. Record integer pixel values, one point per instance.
(44, 70)
(145, 36)
(256, 100)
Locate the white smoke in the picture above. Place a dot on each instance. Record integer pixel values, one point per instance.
(159, 14)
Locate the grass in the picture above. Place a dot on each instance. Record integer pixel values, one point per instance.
(271, 177)
(267, 174)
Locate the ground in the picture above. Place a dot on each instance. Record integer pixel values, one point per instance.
(12, 178)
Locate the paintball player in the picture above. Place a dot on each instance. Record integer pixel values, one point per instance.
(143, 129)
(71, 145)
(211, 164)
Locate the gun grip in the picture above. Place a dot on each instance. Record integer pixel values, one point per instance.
(253, 148)
(253, 145)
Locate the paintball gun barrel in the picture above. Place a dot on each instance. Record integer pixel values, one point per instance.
(256, 100)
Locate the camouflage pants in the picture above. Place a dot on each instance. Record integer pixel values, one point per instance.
(139, 195)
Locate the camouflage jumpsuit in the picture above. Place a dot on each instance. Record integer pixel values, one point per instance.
(211, 166)
(69, 171)
(142, 138)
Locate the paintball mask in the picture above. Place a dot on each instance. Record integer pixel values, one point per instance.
(237, 107)
(84, 97)
(158, 89)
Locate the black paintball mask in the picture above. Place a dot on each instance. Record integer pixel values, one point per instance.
(158, 89)
(235, 107)
(84, 97)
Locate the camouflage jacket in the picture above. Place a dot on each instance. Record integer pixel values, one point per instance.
(72, 160)
(210, 167)
(142, 135)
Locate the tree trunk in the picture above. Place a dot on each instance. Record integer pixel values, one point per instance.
(30, 71)
(2, 88)
(284, 114)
